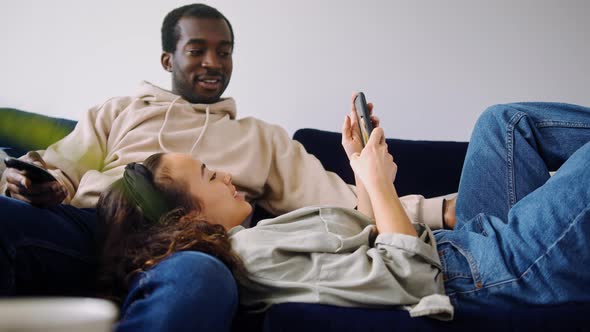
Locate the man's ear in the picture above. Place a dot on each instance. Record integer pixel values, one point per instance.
(166, 60)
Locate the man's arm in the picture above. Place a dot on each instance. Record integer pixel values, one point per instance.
(68, 159)
(297, 179)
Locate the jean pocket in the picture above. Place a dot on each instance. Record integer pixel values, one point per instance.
(460, 271)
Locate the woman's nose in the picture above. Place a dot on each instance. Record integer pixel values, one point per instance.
(227, 178)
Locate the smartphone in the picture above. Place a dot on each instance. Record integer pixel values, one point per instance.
(33, 172)
(363, 117)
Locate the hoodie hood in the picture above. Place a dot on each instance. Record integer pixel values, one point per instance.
(152, 94)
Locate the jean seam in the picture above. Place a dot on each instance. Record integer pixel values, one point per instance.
(564, 124)
(510, 156)
(479, 224)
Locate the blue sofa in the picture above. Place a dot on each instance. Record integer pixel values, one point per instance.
(430, 168)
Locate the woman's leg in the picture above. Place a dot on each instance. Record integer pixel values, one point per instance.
(540, 256)
(512, 149)
(189, 291)
(46, 251)
(531, 243)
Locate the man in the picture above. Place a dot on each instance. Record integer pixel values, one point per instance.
(52, 250)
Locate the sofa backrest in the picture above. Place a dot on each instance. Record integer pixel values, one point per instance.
(429, 168)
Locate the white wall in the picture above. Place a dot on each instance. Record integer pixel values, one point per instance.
(429, 66)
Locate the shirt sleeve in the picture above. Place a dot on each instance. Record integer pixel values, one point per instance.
(85, 148)
(415, 263)
(425, 210)
(297, 179)
(413, 259)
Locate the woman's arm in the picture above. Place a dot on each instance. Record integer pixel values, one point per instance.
(375, 168)
(351, 141)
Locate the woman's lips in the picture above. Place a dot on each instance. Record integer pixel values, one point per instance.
(240, 196)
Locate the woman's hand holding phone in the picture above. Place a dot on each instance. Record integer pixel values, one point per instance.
(352, 140)
(32, 188)
(374, 165)
(376, 170)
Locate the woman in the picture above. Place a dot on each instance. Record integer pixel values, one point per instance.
(512, 237)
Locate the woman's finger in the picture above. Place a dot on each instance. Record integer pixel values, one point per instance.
(346, 128)
(375, 121)
(376, 137)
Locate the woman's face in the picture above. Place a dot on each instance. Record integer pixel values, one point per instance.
(218, 198)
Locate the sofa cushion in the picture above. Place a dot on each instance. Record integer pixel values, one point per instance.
(24, 131)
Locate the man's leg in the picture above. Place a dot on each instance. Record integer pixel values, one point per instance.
(189, 291)
(526, 138)
(46, 251)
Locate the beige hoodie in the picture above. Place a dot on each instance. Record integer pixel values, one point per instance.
(264, 161)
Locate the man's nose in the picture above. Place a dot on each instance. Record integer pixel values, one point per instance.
(210, 60)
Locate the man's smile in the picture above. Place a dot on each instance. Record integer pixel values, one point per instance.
(210, 82)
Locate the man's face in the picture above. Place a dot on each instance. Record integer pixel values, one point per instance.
(202, 64)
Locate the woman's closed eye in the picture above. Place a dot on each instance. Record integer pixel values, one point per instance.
(213, 176)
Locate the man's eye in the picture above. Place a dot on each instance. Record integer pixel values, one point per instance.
(196, 52)
(224, 54)
(213, 176)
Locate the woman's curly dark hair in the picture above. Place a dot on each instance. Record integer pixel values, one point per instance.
(128, 244)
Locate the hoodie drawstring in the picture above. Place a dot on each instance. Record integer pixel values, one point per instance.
(160, 140)
(202, 130)
(164, 124)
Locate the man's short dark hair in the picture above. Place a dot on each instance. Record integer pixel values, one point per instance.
(170, 31)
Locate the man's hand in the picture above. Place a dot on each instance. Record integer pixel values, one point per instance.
(351, 135)
(20, 187)
(449, 217)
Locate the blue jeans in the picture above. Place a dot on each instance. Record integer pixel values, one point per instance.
(53, 252)
(190, 291)
(522, 237)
